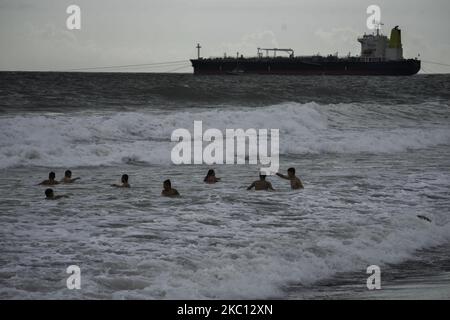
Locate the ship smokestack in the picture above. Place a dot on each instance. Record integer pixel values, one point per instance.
(394, 51)
(396, 38)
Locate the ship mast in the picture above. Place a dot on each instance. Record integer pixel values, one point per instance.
(378, 25)
(198, 50)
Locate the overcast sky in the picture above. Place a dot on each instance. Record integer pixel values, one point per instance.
(34, 36)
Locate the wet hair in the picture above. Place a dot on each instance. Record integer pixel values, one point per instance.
(48, 192)
(262, 176)
(210, 173)
(167, 182)
(124, 178)
(68, 173)
(291, 170)
(51, 175)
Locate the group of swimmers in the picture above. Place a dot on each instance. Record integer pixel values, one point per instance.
(168, 191)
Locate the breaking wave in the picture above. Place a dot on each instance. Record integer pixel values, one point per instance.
(77, 139)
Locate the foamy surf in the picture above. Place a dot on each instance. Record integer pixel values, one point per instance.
(126, 137)
(214, 242)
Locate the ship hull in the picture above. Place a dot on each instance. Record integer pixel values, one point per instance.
(298, 66)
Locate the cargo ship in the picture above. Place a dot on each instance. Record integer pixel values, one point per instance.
(380, 56)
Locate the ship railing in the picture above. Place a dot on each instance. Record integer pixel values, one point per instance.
(372, 59)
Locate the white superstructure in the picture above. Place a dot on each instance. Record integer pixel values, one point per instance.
(380, 47)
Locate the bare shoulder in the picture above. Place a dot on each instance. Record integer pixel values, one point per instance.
(297, 183)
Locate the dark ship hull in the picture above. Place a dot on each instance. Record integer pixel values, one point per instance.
(305, 66)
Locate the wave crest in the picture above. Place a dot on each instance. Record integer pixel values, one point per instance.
(59, 140)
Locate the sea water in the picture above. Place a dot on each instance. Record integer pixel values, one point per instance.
(372, 152)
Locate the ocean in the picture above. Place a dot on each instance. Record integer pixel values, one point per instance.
(372, 152)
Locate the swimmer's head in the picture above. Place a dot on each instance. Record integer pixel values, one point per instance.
(49, 193)
(262, 176)
(167, 184)
(210, 173)
(124, 178)
(68, 173)
(291, 172)
(51, 176)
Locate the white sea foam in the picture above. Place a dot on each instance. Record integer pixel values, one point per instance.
(90, 140)
(203, 246)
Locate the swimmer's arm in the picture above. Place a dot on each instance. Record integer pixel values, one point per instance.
(218, 179)
(60, 197)
(270, 186)
(47, 183)
(75, 179)
(120, 185)
(251, 186)
(282, 176)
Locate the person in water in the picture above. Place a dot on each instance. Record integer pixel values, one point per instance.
(124, 184)
(51, 180)
(68, 177)
(211, 177)
(261, 184)
(50, 195)
(168, 191)
(296, 183)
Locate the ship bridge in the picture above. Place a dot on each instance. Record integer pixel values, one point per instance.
(380, 47)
